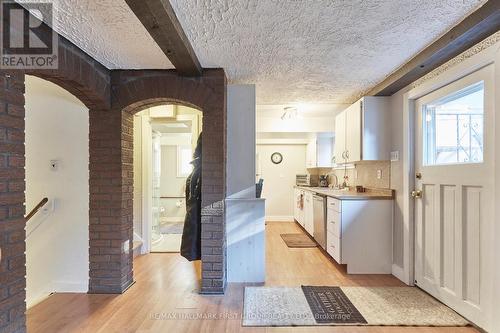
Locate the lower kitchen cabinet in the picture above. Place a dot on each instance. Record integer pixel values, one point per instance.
(308, 213)
(298, 208)
(359, 234)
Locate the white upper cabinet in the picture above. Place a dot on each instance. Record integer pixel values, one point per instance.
(319, 152)
(363, 131)
(311, 154)
(339, 149)
(324, 152)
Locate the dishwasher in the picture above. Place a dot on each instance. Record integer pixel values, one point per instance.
(319, 216)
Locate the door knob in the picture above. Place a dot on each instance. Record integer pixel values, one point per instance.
(417, 194)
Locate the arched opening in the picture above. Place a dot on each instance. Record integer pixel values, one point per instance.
(165, 138)
(136, 94)
(56, 167)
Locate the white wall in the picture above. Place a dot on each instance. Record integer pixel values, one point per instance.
(396, 103)
(57, 248)
(171, 185)
(279, 179)
(240, 141)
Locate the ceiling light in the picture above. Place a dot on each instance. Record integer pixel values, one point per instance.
(289, 112)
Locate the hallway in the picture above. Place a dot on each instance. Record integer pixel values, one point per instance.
(165, 299)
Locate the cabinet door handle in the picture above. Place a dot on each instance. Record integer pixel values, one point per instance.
(347, 154)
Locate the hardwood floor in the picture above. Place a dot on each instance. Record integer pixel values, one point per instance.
(166, 287)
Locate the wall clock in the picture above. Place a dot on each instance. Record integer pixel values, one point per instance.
(276, 158)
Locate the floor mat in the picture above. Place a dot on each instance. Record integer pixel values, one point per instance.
(330, 305)
(297, 240)
(378, 306)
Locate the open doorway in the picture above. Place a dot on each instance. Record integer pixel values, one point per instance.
(165, 138)
(57, 181)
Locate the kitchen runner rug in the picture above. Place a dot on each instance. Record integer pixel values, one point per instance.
(373, 306)
(297, 240)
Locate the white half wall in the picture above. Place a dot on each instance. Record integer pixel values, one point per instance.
(241, 141)
(246, 240)
(57, 245)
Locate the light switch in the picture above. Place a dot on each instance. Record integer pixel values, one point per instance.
(379, 174)
(395, 156)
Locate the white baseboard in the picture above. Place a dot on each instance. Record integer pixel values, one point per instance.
(279, 219)
(58, 287)
(399, 273)
(71, 287)
(32, 301)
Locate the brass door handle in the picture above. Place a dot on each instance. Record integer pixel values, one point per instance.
(417, 194)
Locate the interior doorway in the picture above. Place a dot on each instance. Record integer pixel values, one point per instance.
(165, 138)
(57, 181)
(454, 154)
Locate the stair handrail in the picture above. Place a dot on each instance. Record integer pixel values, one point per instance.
(36, 209)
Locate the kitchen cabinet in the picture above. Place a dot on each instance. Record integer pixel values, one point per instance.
(311, 154)
(298, 208)
(359, 234)
(340, 136)
(319, 152)
(358, 230)
(324, 147)
(308, 212)
(362, 131)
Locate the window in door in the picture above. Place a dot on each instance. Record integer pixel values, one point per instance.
(453, 127)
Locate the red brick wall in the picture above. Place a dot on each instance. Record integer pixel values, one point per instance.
(12, 234)
(111, 191)
(135, 90)
(112, 98)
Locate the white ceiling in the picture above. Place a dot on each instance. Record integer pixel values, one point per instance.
(321, 51)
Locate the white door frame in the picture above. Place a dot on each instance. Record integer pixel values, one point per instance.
(475, 62)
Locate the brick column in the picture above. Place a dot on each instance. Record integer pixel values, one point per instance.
(213, 183)
(111, 181)
(12, 185)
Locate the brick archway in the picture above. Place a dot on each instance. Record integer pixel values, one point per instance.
(111, 172)
(89, 81)
(112, 97)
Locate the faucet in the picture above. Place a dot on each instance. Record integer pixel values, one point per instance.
(336, 180)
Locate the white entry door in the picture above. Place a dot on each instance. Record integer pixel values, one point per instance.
(453, 193)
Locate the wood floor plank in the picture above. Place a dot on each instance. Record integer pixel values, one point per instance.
(165, 296)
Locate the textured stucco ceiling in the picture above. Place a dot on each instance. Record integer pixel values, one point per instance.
(109, 31)
(327, 51)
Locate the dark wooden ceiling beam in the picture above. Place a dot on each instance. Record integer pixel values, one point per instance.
(159, 19)
(482, 23)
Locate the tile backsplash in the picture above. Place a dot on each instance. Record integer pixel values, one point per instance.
(364, 174)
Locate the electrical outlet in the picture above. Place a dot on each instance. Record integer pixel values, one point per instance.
(395, 156)
(379, 174)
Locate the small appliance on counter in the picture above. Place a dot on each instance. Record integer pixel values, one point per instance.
(323, 181)
(307, 180)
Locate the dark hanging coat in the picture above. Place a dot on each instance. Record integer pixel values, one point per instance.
(191, 235)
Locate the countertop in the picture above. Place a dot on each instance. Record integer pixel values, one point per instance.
(370, 194)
